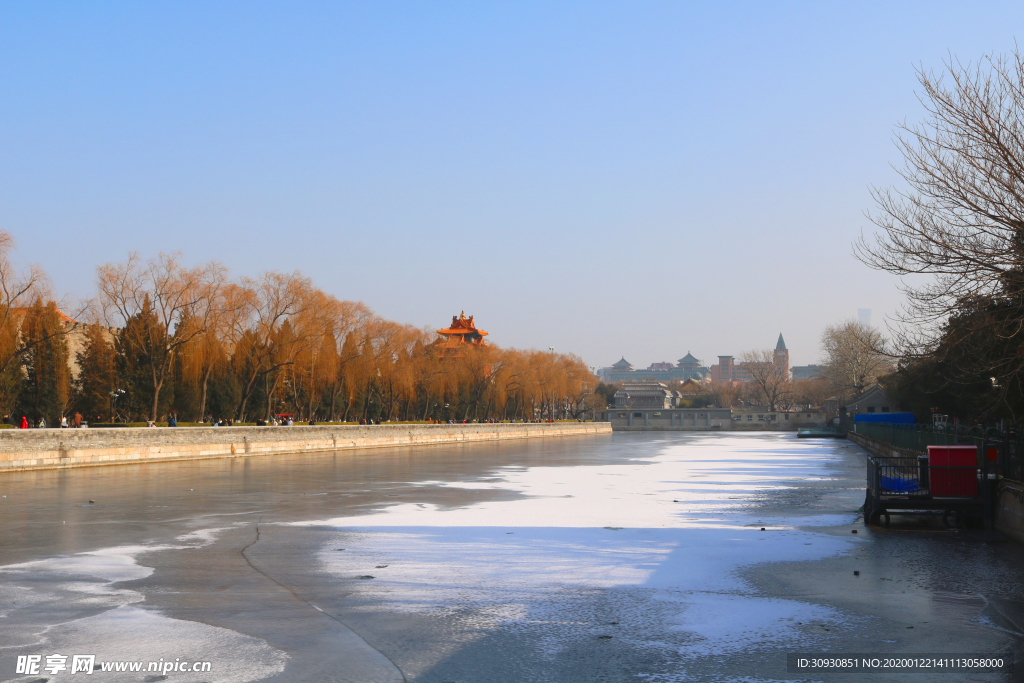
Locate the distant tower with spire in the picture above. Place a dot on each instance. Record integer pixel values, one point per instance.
(782, 355)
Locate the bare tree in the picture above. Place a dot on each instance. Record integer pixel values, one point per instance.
(811, 392)
(725, 394)
(19, 289)
(770, 378)
(960, 222)
(855, 357)
(167, 291)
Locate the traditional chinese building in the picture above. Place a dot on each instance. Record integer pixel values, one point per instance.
(646, 395)
(461, 332)
(688, 367)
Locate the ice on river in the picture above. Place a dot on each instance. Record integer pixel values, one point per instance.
(115, 626)
(670, 532)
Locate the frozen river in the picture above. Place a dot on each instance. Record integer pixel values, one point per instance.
(647, 557)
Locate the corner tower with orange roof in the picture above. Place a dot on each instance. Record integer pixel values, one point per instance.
(462, 331)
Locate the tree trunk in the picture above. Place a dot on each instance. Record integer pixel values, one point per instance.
(246, 394)
(271, 389)
(156, 390)
(202, 395)
(366, 401)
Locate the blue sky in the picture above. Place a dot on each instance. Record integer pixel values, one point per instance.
(643, 179)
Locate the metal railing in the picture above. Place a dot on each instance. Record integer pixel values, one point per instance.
(1003, 448)
(919, 437)
(913, 477)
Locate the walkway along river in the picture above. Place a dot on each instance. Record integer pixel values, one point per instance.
(630, 556)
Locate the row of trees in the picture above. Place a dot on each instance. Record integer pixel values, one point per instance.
(788, 394)
(166, 338)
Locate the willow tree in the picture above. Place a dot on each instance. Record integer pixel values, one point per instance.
(256, 311)
(20, 289)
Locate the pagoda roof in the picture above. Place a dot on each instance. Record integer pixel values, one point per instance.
(688, 358)
(622, 364)
(22, 311)
(462, 325)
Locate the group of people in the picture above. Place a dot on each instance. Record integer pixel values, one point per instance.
(76, 422)
(285, 421)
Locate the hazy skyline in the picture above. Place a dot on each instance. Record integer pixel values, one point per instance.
(609, 180)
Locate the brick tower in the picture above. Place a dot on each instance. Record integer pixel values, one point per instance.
(782, 355)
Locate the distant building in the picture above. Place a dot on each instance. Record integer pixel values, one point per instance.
(686, 368)
(652, 405)
(691, 387)
(781, 355)
(752, 417)
(646, 395)
(74, 335)
(728, 370)
(873, 400)
(806, 372)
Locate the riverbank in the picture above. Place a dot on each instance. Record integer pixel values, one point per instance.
(67, 448)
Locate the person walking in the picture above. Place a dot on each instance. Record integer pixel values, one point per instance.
(63, 421)
(24, 422)
(77, 420)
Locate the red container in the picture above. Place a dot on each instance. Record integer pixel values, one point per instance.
(953, 470)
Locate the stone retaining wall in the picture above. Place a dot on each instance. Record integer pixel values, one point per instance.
(30, 449)
(1009, 509)
(880, 448)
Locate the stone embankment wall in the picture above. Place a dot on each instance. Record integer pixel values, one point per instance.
(31, 449)
(1009, 509)
(880, 448)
